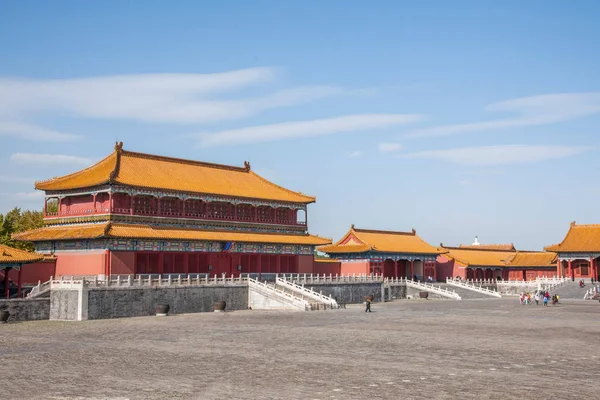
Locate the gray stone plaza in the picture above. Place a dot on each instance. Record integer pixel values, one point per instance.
(407, 349)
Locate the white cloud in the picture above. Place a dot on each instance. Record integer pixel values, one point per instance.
(34, 133)
(389, 147)
(533, 110)
(302, 129)
(500, 155)
(15, 179)
(25, 195)
(165, 98)
(48, 159)
(355, 153)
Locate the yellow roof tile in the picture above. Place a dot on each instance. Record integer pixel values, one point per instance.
(10, 255)
(152, 232)
(166, 173)
(479, 258)
(84, 231)
(579, 238)
(532, 259)
(362, 240)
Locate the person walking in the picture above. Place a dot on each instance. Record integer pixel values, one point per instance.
(545, 301)
(537, 299)
(368, 305)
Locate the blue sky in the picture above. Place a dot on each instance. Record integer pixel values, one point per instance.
(454, 118)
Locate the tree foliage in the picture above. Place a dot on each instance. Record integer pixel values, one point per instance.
(16, 221)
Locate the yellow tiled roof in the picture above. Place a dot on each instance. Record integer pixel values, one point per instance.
(532, 259)
(580, 238)
(152, 232)
(10, 255)
(87, 231)
(166, 173)
(475, 257)
(505, 247)
(362, 240)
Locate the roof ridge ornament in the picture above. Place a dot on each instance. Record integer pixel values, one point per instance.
(118, 146)
(247, 166)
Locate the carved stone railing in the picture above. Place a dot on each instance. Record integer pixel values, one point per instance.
(283, 296)
(304, 291)
(428, 287)
(331, 278)
(470, 286)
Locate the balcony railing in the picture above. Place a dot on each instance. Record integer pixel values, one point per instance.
(172, 214)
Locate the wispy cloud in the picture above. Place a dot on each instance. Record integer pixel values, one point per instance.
(15, 179)
(48, 159)
(25, 195)
(355, 153)
(149, 98)
(303, 129)
(533, 111)
(35, 133)
(500, 155)
(389, 147)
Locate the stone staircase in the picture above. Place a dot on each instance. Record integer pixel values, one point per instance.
(571, 290)
(477, 290)
(465, 293)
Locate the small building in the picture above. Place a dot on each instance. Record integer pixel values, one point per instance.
(473, 262)
(528, 265)
(12, 259)
(136, 213)
(393, 254)
(495, 261)
(579, 252)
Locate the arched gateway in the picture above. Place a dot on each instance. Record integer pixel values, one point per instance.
(134, 213)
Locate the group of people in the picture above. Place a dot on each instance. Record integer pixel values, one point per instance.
(525, 298)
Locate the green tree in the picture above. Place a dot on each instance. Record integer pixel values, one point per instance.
(16, 221)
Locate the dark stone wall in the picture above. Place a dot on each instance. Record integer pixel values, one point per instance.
(348, 293)
(64, 304)
(396, 292)
(137, 302)
(26, 310)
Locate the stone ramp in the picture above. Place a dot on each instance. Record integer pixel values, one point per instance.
(464, 293)
(571, 290)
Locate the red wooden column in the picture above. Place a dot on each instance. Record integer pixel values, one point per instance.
(6, 288)
(183, 207)
(396, 268)
(161, 262)
(593, 268)
(570, 268)
(60, 206)
(412, 268)
(94, 203)
(255, 213)
(559, 268)
(131, 199)
(110, 202)
(278, 263)
(186, 263)
(258, 265)
(19, 282)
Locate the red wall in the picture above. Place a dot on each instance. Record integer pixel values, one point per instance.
(358, 268)
(327, 267)
(305, 264)
(88, 263)
(448, 268)
(122, 262)
(32, 273)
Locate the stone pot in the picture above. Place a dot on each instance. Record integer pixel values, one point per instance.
(219, 306)
(162, 310)
(4, 317)
(369, 297)
(423, 295)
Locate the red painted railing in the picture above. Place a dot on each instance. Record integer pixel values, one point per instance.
(171, 214)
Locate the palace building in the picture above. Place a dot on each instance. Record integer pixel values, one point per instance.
(135, 213)
(494, 261)
(579, 252)
(393, 254)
